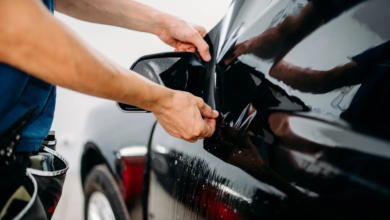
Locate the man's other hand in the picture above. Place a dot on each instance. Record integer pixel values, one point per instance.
(184, 36)
(181, 116)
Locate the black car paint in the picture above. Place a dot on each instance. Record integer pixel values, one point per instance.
(317, 165)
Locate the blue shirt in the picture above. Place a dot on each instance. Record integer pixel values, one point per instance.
(20, 91)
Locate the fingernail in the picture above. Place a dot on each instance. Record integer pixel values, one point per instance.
(226, 62)
(216, 112)
(208, 57)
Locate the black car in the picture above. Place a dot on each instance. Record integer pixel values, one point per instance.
(304, 130)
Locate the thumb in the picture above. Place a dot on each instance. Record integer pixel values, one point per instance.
(206, 110)
(202, 46)
(209, 127)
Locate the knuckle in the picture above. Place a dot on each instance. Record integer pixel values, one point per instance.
(187, 94)
(211, 132)
(192, 36)
(174, 135)
(201, 102)
(186, 137)
(198, 132)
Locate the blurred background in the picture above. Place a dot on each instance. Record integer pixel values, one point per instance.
(123, 47)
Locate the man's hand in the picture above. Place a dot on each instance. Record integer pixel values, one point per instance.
(136, 16)
(184, 36)
(76, 66)
(180, 115)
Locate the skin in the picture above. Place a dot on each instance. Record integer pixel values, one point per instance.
(26, 27)
(136, 16)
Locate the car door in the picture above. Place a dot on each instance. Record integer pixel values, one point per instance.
(286, 145)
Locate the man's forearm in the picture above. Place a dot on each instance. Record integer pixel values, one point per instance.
(35, 42)
(133, 15)
(122, 13)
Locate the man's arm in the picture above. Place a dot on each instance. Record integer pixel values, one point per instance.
(136, 16)
(32, 40)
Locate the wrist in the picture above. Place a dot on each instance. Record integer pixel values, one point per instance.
(160, 96)
(162, 22)
(157, 22)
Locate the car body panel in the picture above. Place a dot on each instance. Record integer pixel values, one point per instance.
(279, 150)
(301, 159)
(121, 142)
(126, 130)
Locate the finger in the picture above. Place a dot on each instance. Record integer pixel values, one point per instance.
(188, 47)
(181, 137)
(209, 127)
(206, 110)
(202, 31)
(190, 140)
(185, 46)
(192, 49)
(201, 44)
(171, 41)
(176, 135)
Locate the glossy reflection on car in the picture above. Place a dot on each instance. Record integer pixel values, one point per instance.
(304, 130)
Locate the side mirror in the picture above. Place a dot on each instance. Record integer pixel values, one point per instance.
(176, 70)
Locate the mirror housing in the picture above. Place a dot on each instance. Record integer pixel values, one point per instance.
(175, 70)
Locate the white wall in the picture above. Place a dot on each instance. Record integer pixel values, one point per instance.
(124, 47)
